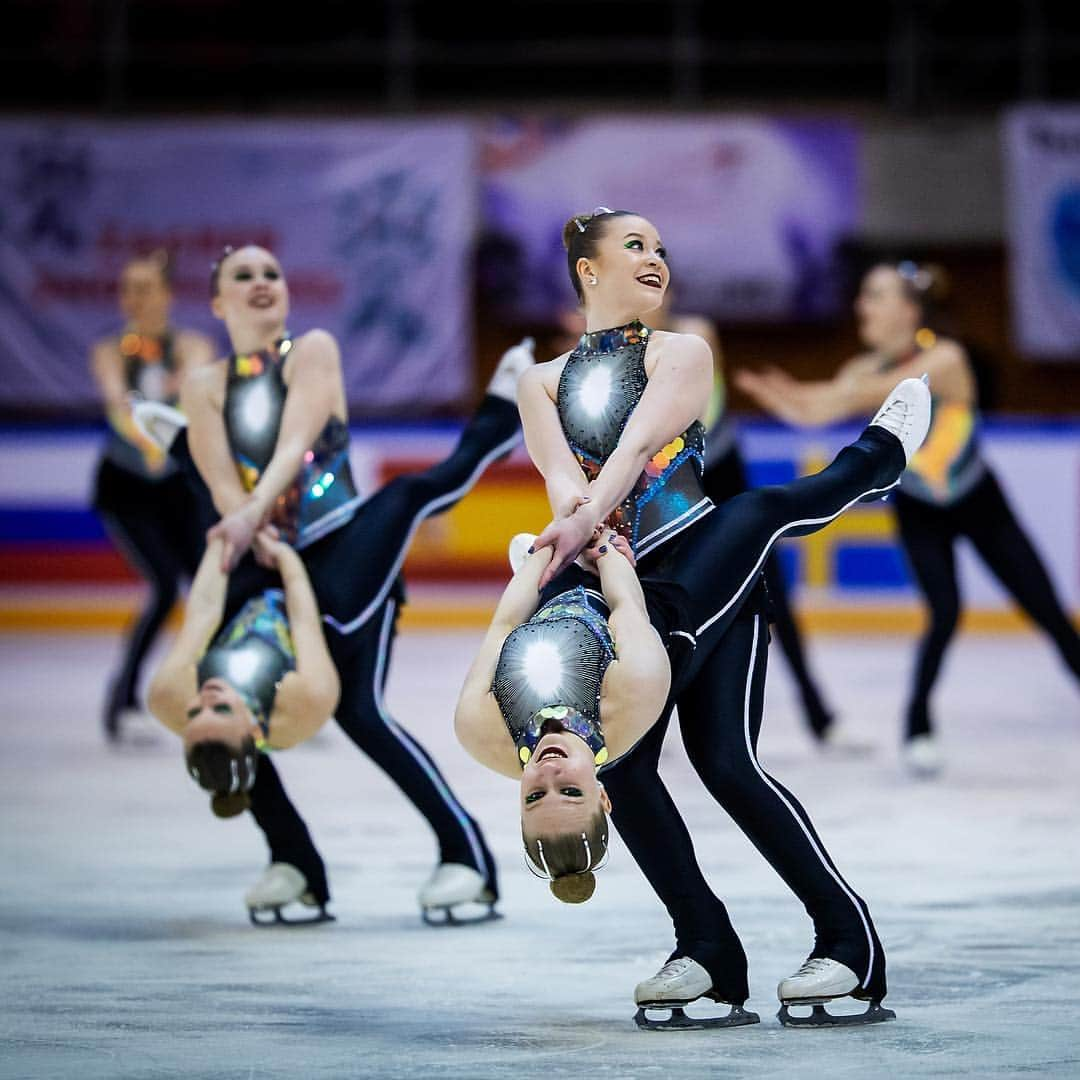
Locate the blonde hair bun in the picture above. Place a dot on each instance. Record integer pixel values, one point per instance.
(574, 888)
(226, 806)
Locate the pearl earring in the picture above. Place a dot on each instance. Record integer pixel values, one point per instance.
(592, 280)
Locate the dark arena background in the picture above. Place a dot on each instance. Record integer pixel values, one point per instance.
(411, 165)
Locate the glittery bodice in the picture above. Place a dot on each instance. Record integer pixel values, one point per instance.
(323, 495)
(149, 366)
(253, 653)
(600, 386)
(550, 672)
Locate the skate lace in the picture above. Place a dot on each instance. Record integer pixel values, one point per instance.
(895, 416)
(811, 967)
(674, 968)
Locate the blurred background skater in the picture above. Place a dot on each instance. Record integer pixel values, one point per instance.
(948, 491)
(142, 500)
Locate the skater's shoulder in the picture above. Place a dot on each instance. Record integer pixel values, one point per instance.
(318, 342)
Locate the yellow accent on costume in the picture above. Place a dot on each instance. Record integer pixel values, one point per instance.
(949, 434)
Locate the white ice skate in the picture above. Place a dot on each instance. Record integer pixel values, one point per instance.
(158, 422)
(820, 980)
(507, 372)
(905, 413)
(922, 756)
(519, 550)
(453, 885)
(838, 740)
(678, 983)
(136, 727)
(280, 885)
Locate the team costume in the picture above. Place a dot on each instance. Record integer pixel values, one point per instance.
(148, 513)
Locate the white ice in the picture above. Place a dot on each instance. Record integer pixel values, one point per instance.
(125, 949)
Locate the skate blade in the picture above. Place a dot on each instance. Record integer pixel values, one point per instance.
(444, 916)
(270, 918)
(679, 1021)
(819, 1016)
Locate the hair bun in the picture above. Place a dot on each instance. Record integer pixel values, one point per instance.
(574, 227)
(574, 888)
(226, 806)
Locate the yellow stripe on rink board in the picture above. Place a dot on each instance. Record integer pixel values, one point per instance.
(426, 616)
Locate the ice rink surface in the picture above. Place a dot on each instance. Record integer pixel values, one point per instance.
(125, 949)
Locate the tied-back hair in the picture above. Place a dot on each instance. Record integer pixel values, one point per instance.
(925, 285)
(229, 774)
(567, 860)
(215, 268)
(581, 235)
(163, 261)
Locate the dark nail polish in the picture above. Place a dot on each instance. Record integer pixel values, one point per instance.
(603, 548)
(530, 551)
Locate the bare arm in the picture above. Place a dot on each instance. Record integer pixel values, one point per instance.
(478, 722)
(858, 387)
(636, 684)
(193, 350)
(677, 394)
(307, 696)
(175, 680)
(202, 398)
(551, 454)
(315, 392)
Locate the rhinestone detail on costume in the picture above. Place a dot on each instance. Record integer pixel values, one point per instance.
(600, 386)
(550, 672)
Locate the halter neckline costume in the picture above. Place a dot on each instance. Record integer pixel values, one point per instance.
(253, 653)
(550, 672)
(323, 497)
(601, 383)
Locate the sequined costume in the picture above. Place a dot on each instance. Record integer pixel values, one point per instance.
(551, 670)
(323, 496)
(147, 510)
(253, 653)
(601, 383)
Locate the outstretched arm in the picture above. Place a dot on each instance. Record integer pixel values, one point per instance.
(175, 680)
(307, 696)
(478, 723)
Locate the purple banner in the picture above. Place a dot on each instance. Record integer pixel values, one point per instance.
(751, 210)
(374, 224)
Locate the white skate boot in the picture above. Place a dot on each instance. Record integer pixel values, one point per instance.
(672, 988)
(453, 885)
(905, 413)
(922, 757)
(820, 980)
(838, 740)
(280, 885)
(519, 550)
(509, 368)
(158, 422)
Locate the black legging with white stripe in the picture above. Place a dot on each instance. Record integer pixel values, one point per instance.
(354, 572)
(720, 699)
(155, 528)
